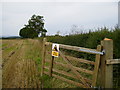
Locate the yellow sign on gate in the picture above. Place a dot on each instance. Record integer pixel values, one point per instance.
(55, 50)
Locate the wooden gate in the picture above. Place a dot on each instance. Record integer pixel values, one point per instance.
(74, 68)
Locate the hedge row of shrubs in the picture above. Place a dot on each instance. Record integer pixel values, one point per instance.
(90, 40)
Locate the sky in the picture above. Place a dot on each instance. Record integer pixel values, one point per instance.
(59, 15)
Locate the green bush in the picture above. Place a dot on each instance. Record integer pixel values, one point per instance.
(90, 40)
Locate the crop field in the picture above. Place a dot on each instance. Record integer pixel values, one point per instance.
(21, 65)
(19, 61)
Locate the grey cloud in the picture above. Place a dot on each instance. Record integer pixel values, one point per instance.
(59, 16)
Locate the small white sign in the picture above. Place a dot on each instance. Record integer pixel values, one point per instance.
(55, 50)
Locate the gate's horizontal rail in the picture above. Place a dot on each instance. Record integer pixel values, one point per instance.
(68, 74)
(80, 60)
(113, 61)
(66, 80)
(77, 68)
(75, 48)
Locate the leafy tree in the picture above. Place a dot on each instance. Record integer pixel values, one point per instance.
(43, 33)
(34, 28)
(28, 33)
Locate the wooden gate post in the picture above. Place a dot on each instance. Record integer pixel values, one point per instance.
(106, 71)
(43, 55)
(51, 66)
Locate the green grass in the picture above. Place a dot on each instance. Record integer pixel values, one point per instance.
(3, 45)
(9, 49)
(35, 53)
(0, 46)
(46, 81)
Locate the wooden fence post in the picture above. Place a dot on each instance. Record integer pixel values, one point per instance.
(106, 71)
(51, 66)
(43, 55)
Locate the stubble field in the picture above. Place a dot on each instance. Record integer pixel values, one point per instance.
(19, 63)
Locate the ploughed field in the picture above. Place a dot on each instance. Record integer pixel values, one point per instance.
(20, 58)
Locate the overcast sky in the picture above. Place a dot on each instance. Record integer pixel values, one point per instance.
(58, 15)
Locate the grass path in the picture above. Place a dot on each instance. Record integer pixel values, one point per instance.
(20, 68)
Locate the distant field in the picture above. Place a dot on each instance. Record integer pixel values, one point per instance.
(21, 61)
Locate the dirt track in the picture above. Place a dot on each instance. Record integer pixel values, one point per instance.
(19, 64)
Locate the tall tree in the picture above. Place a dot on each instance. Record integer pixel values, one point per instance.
(34, 28)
